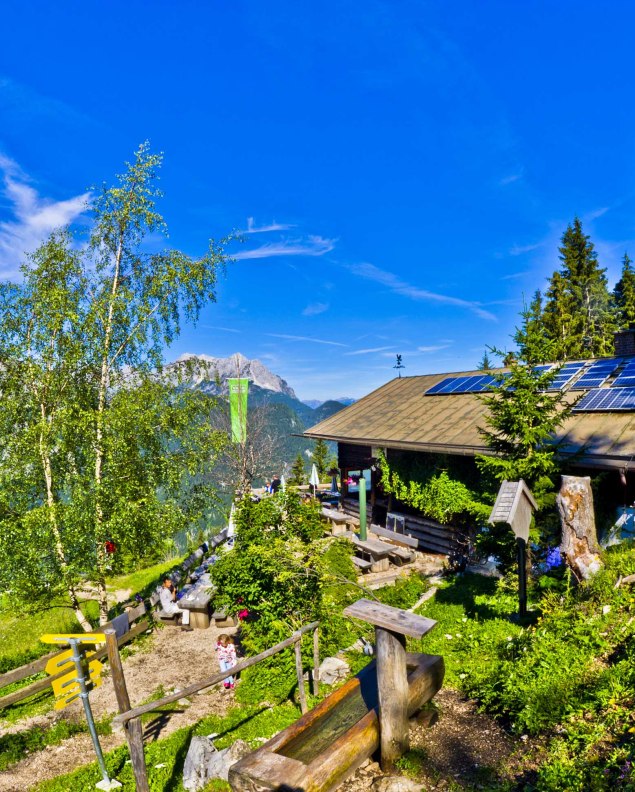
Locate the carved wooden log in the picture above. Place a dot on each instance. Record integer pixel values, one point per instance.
(579, 538)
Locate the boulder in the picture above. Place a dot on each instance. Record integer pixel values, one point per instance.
(396, 784)
(195, 767)
(333, 670)
(204, 762)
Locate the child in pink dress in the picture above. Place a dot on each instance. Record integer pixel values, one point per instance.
(226, 657)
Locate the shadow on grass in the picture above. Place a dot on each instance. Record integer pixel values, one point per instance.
(464, 589)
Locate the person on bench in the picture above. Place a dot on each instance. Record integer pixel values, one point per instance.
(168, 603)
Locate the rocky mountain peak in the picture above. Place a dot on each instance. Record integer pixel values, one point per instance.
(237, 365)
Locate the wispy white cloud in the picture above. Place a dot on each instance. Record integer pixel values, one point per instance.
(395, 284)
(315, 308)
(32, 217)
(515, 275)
(518, 250)
(265, 229)
(511, 177)
(595, 213)
(224, 329)
(369, 351)
(433, 348)
(312, 246)
(305, 338)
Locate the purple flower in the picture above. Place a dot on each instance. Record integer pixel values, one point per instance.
(553, 559)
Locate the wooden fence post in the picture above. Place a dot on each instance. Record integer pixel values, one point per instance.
(316, 662)
(297, 646)
(133, 729)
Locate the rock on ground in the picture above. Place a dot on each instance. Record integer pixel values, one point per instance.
(204, 762)
(333, 670)
(396, 784)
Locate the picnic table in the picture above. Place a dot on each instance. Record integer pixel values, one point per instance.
(372, 552)
(197, 602)
(340, 520)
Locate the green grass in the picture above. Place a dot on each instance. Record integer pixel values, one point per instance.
(143, 579)
(20, 633)
(14, 747)
(165, 758)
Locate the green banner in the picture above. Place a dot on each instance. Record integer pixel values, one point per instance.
(238, 390)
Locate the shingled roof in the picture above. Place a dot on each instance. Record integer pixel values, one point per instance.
(398, 415)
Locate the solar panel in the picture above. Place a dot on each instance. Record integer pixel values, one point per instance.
(476, 383)
(565, 375)
(597, 374)
(626, 376)
(607, 399)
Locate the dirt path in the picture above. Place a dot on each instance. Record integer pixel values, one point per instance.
(173, 659)
(464, 749)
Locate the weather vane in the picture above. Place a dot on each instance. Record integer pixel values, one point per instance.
(399, 365)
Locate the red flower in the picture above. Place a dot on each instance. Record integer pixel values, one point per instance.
(111, 547)
(242, 614)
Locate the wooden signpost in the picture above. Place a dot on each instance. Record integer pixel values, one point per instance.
(515, 506)
(391, 627)
(82, 676)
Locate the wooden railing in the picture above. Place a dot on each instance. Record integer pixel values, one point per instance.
(129, 718)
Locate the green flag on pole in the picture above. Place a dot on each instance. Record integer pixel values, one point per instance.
(238, 390)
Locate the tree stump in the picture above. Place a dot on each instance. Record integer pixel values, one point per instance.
(579, 538)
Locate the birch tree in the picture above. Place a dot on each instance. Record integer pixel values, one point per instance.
(121, 449)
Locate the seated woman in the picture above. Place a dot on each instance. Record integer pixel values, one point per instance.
(167, 595)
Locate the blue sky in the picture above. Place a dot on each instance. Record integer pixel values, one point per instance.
(403, 170)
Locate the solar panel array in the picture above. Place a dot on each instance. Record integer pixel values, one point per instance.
(627, 376)
(472, 384)
(597, 374)
(565, 375)
(603, 399)
(619, 397)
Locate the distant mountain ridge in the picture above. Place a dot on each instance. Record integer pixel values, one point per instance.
(236, 365)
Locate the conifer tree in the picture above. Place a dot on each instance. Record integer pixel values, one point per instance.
(578, 315)
(523, 415)
(624, 294)
(320, 457)
(298, 474)
(484, 364)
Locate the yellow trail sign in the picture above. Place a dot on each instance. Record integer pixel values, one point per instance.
(66, 688)
(88, 638)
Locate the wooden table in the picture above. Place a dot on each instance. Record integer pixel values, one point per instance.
(339, 520)
(198, 606)
(376, 552)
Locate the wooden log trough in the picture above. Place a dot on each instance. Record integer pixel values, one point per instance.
(326, 745)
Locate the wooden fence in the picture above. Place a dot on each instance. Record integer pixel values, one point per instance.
(129, 718)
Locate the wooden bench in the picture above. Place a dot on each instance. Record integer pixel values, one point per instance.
(363, 565)
(395, 538)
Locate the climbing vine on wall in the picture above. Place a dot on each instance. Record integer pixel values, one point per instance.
(439, 497)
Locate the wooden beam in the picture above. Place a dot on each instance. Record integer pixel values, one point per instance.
(134, 730)
(42, 684)
(392, 689)
(393, 619)
(297, 648)
(124, 717)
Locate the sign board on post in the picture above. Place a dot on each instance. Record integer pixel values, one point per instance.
(515, 506)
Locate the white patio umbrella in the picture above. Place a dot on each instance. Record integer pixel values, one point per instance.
(315, 479)
(231, 527)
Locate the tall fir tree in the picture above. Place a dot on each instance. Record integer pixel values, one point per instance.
(578, 313)
(484, 364)
(320, 457)
(624, 294)
(523, 414)
(298, 473)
